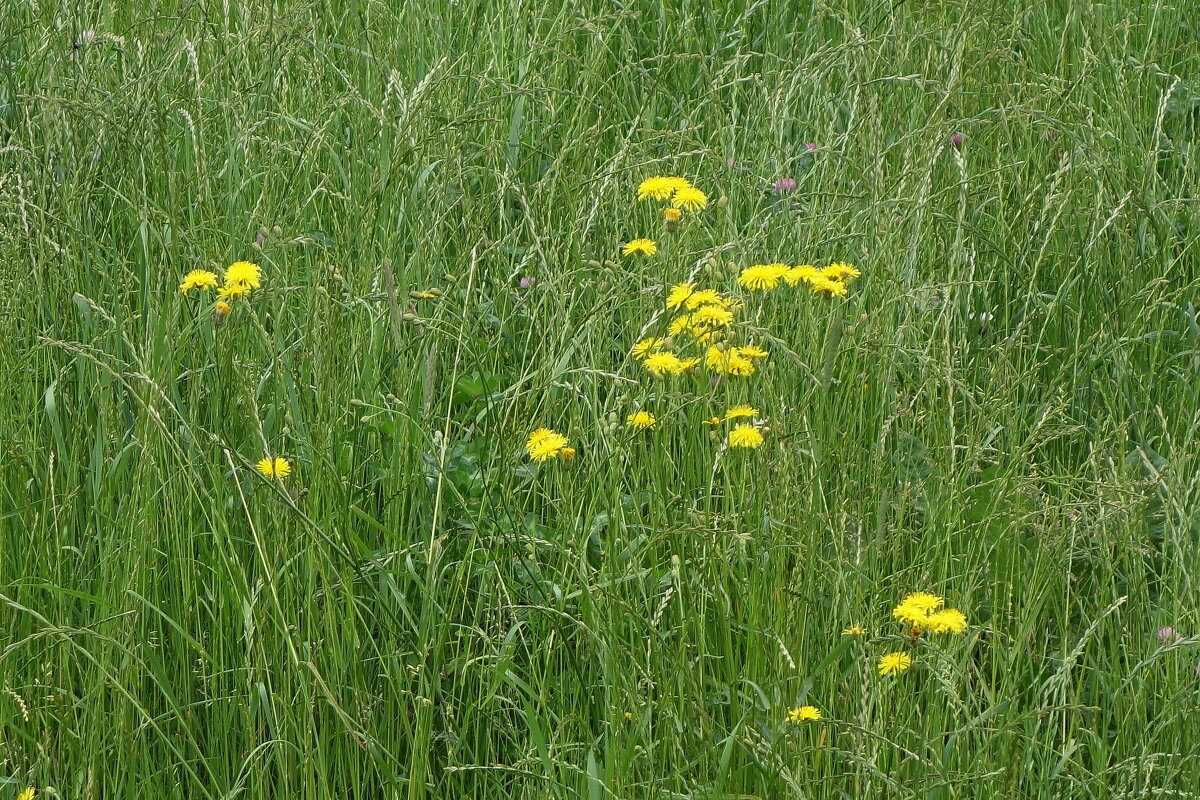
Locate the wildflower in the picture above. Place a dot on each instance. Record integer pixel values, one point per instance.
(785, 185)
(664, 363)
(714, 422)
(645, 247)
(750, 351)
(712, 316)
(745, 436)
(894, 663)
(661, 188)
(916, 607)
(198, 279)
(28, 794)
(671, 218)
(424, 294)
(544, 444)
(640, 420)
(802, 714)
(715, 358)
(568, 456)
(854, 630)
(1168, 635)
(841, 271)
(703, 297)
(810, 146)
(803, 272)
(762, 277)
(689, 198)
(688, 363)
(831, 288)
(948, 620)
(680, 324)
(243, 273)
(956, 140)
(275, 468)
(680, 293)
(527, 282)
(646, 346)
(221, 311)
(233, 291)
(739, 366)
(741, 412)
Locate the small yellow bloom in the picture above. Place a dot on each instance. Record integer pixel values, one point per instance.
(702, 298)
(660, 188)
(688, 363)
(544, 444)
(741, 367)
(645, 247)
(741, 412)
(671, 218)
(679, 295)
(27, 794)
(275, 468)
(233, 291)
(664, 362)
(916, 607)
(689, 198)
(802, 714)
(830, 287)
(804, 272)
(762, 277)
(646, 346)
(894, 663)
(680, 324)
(640, 420)
(244, 273)
(841, 271)
(854, 630)
(712, 316)
(714, 422)
(948, 620)
(198, 279)
(750, 351)
(745, 436)
(568, 455)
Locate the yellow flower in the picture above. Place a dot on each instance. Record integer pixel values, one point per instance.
(804, 272)
(544, 444)
(802, 714)
(660, 188)
(688, 363)
(894, 663)
(762, 277)
(198, 279)
(568, 455)
(715, 359)
(640, 420)
(830, 287)
(680, 292)
(645, 247)
(703, 297)
(233, 291)
(948, 620)
(916, 607)
(275, 468)
(740, 412)
(671, 218)
(680, 324)
(750, 351)
(712, 316)
(741, 367)
(854, 630)
(689, 198)
(28, 794)
(243, 273)
(646, 346)
(841, 271)
(745, 436)
(713, 422)
(664, 362)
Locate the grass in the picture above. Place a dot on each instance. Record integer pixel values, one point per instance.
(1003, 411)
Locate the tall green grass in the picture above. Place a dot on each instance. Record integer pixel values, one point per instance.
(1004, 411)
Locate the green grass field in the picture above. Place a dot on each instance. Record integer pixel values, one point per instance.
(1004, 409)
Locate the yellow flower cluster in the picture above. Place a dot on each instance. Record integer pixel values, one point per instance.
(640, 420)
(544, 444)
(679, 191)
(274, 468)
(801, 714)
(241, 278)
(831, 281)
(922, 611)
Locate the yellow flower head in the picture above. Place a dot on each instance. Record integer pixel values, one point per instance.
(948, 620)
(664, 362)
(680, 292)
(741, 412)
(27, 794)
(916, 607)
(750, 351)
(804, 272)
(243, 273)
(640, 420)
(198, 279)
(830, 287)
(688, 363)
(703, 297)
(544, 444)
(802, 714)
(232, 291)
(714, 422)
(762, 277)
(568, 455)
(645, 247)
(671, 218)
(274, 468)
(689, 198)
(680, 324)
(894, 663)
(712, 316)
(646, 346)
(854, 630)
(745, 436)
(739, 366)
(660, 188)
(715, 359)
(841, 271)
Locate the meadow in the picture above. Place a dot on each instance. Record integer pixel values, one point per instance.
(401, 494)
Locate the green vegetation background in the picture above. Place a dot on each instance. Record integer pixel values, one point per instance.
(1007, 413)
